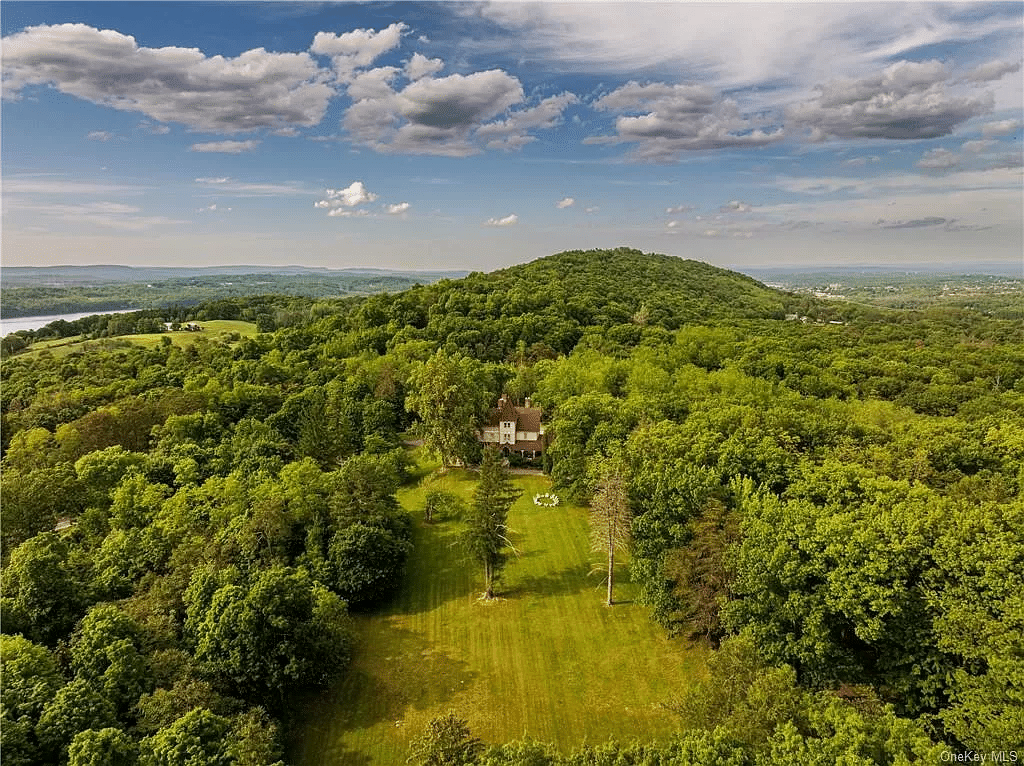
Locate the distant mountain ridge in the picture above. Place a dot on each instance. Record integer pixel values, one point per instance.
(108, 273)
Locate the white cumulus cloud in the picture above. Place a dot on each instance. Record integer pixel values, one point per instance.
(156, 130)
(565, 202)
(859, 162)
(256, 89)
(412, 111)
(907, 100)
(359, 48)
(664, 120)
(512, 133)
(977, 147)
(340, 212)
(340, 202)
(398, 208)
(509, 220)
(420, 66)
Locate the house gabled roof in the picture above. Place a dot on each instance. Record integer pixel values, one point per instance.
(525, 418)
(507, 411)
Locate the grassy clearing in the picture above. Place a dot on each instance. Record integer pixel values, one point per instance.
(547, 660)
(215, 329)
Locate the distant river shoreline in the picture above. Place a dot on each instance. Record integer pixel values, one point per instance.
(7, 326)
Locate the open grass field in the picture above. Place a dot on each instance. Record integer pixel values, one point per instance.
(547, 660)
(213, 329)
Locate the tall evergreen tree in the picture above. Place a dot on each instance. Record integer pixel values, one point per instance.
(486, 529)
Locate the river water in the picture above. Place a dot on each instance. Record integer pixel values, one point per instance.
(7, 326)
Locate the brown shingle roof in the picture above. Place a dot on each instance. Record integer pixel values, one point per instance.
(529, 418)
(507, 410)
(536, 444)
(525, 418)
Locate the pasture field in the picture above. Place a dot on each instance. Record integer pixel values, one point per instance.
(213, 329)
(546, 660)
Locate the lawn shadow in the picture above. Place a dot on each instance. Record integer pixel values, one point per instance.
(394, 670)
(347, 756)
(436, 572)
(335, 753)
(565, 582)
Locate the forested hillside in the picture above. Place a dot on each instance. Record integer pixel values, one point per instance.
(834, 502)
(42, 291)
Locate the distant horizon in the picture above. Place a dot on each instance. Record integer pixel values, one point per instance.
(472, 136)
(989, 268)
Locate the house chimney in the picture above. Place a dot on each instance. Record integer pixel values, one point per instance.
(529, 402)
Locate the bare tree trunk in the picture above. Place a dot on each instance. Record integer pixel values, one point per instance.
(611, 570)
(488, 581)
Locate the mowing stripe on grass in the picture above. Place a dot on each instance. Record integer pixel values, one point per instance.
(546, 660)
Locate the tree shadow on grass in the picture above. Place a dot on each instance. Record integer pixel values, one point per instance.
(565, 582)
(393, 671)
(436, 572)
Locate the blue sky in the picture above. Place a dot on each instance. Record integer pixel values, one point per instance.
(477, 135)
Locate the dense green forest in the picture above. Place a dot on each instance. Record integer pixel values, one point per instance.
(830, 495)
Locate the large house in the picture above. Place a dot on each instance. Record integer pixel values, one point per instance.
(515, 429)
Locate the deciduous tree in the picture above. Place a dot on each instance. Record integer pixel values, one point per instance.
(43, 591)
(281, 632)
(106, 650)
(30, 679)
(449, 395)
(76, 707)
(439, 505)
(103, 747)
(447, 741)
(611, 516)
(198, 738)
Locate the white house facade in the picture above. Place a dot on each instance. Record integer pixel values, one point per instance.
(515, 429)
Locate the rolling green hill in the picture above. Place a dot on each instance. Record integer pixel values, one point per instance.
(614, 285)
(546, 305)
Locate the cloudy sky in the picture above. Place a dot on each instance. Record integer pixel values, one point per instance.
(476, 135)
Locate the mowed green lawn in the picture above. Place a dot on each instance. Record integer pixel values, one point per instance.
(547, 660)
